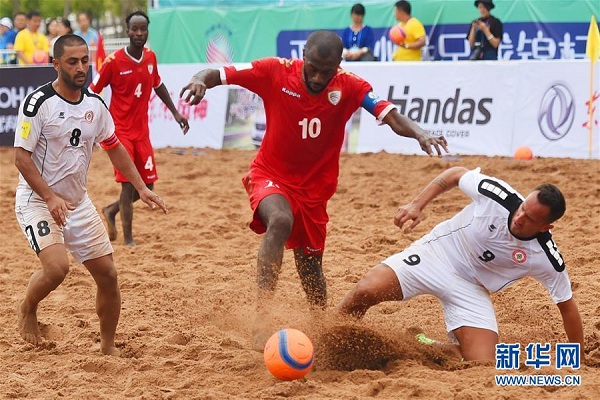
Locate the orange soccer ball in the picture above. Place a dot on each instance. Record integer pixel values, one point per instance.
(289, 354)
(523, 153)
(397, 34)
(40, 57)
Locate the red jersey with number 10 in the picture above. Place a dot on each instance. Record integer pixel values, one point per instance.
(131, 82)
(305, 131)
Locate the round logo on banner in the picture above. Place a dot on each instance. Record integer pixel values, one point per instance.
(519, 256)
(557, 111)
(218, 47)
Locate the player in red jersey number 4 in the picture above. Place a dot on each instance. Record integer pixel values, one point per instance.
(132, 74)
(307, 103)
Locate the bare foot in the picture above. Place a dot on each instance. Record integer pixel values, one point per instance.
(28, 325)
(110, 224)
(129, 242)
(111, 351)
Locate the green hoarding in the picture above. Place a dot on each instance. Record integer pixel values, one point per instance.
(241, 34)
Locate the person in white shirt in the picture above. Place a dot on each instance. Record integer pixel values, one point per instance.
(496, 240)
(57, 127)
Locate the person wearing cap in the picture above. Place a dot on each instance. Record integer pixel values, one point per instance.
(5, 29)
(485, 33)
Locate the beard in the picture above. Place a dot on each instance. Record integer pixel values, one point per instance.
(77, 81)
(311, 89)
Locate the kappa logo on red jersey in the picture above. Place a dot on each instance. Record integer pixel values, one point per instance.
(150, 68)
(519, 256)
(334, 96)
(89, 116)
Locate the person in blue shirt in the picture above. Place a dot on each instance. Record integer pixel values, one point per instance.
(7, 39)
(358, 38)
(89, 34)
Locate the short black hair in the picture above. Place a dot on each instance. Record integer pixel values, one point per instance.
(67, 40)
(358, 9)
(404, 6)
(133, 14)
(488, 4)
(66, 23)
(19, 13)
(32, 14)
(327, 44)
(549, 195)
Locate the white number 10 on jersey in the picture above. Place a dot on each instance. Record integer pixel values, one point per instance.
(310, 128)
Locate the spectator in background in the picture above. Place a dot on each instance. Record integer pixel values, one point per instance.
(410, 49)
(31, 45)
(89, 34)
(19, 22)
(5, 28)
(358, 38)
(485, 33)
(51, 29)
(63, 27)
(51, 35)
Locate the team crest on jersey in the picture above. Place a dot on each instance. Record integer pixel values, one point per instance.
(519, 256)
(334, 96)
(88, 116)
(150, 68)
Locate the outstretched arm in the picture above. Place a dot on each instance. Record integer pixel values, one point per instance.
(203, 80)
(406, 127)
(164, 95)
(442, 183)
(121, 160)
(572, 323)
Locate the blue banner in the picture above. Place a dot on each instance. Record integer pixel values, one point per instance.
(521, 41)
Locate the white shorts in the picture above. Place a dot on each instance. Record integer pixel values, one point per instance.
(421, 271)
(84, 236)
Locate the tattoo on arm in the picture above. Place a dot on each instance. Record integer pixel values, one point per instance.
(441, 182)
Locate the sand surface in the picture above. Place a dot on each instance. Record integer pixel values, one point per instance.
(188, 291)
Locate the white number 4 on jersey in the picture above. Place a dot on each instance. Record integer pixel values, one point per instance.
(138, 90)
(149, 164)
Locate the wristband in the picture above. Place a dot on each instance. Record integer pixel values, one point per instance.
(489, 37)
(406, 45)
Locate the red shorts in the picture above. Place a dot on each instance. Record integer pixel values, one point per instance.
(142, 154)
(310, 218)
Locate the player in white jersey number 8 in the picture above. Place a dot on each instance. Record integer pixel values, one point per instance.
(57, 127)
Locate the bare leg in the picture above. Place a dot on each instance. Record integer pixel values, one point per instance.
(55, 266)
(108, 301)
(111, 210)
(378, 285)
(310, 270)
(128, 196)
(276, 214)
(476, 344)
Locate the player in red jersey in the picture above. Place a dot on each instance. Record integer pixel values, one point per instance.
(132, 73)
(294, 174)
